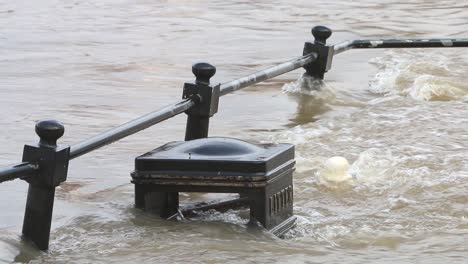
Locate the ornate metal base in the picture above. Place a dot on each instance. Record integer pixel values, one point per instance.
(271, 205)
(261, 174)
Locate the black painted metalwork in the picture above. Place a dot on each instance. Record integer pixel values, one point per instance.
(53, 168)
(261, 172)
(322, 64)
(400, 43)
(266, 74)
(129, 128)
(206, 98)
(18, 171)
(153, 118)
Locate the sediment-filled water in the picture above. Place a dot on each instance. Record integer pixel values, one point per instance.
(399, 116)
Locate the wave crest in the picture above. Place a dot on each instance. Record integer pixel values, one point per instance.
(421, 76)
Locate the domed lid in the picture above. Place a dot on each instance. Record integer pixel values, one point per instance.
(218, 155)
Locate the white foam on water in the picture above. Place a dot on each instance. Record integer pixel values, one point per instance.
(301, 134)
(307, 85)
(375, 168)
(421, 76)
(230, 216)
(9, 248)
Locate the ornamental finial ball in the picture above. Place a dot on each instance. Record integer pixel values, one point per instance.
(203, 72)
(49, 131)
(321, 34)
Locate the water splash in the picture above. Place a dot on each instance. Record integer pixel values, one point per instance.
(375, 168)
(310, 86)
(312, 97)
(300, 135)
(432, 88)
(231, 216)
(421, 76)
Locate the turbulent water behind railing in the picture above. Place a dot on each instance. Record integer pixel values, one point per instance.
(400, 117)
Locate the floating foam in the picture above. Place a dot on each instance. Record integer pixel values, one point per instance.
(421, 76)
(432, 88)
(375, 168)
(309, 86)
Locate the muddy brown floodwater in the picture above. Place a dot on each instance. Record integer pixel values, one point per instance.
(399, 116)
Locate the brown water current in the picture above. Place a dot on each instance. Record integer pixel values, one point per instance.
(399, 116)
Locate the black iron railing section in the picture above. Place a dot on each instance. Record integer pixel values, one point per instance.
(400, 43)
(45, 165)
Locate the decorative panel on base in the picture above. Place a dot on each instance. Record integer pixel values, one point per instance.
(260, 172)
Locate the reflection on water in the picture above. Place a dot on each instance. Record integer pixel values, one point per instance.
(399, 117)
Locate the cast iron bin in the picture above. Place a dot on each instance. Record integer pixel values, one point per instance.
(260, 172)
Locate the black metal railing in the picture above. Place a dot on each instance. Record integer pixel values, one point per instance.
(18, 171)
(45, 165)
(399, 43)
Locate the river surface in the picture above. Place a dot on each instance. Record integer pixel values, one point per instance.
(399, 116)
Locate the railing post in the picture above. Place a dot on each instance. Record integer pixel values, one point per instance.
(323, 63)
(53, 167)
(207, 98)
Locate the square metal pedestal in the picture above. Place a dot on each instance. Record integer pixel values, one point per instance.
(260, 172)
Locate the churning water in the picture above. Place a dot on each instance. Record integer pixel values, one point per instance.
(400, 117)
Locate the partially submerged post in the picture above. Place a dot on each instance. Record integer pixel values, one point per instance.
(323, 62)
(53, 167)
(207, 98)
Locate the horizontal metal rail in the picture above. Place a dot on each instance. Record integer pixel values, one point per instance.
(100, 140)
(129, 128)
(266, 74)
(141, 123)
(399, 43)
(155, 117)
(18, 171)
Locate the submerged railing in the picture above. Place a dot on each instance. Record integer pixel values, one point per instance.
(45, 165)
